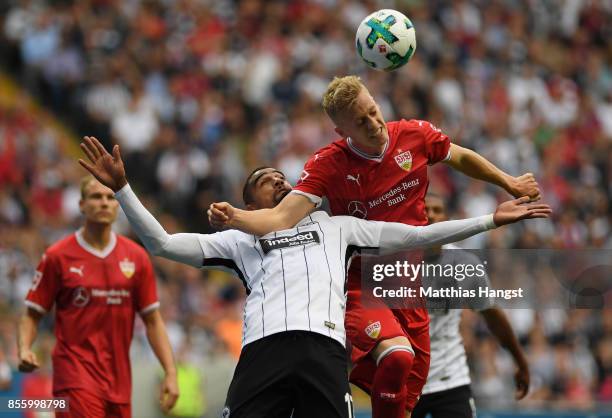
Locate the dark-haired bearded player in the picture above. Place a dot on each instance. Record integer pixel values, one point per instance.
(377, 171)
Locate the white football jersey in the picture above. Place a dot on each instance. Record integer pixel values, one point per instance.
(295, 277)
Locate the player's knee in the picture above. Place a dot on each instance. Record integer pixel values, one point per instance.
(395, 364)
(398, 356)
(385, 345)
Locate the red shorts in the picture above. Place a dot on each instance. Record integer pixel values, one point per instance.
(365, 328)
(84, 404)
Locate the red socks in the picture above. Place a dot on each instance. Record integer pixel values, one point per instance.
(389, 386)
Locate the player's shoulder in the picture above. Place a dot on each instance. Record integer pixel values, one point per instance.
(408, 125)
(62, 246)
(330, 153)
(231, 235)
(229, 239)
(317, 216)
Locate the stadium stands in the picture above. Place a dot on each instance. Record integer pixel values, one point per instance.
(217, 87)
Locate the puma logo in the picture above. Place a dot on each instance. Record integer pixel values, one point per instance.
(353, 178)
(76, 270)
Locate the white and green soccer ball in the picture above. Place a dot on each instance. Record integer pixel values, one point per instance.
(386, 40)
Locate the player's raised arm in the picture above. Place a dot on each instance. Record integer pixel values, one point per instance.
(285, 215)
(392, 235)
(475, 165)
(110, 171)
(182, 247)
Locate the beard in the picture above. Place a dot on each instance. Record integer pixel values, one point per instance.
(279, 197)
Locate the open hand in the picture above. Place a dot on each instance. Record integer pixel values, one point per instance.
(106, 168)
(519, 209)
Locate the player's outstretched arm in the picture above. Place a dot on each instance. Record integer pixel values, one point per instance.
(500, 327)
(27, 331)
(285, 215)
(109, 170)
(475, 165)
(395, 236)
(506, 213)
(182, 247)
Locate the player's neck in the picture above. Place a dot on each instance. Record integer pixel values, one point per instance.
(374, 150)
(97, 235)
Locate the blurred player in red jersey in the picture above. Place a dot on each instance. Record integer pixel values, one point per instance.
(377, 171)
(98, 281)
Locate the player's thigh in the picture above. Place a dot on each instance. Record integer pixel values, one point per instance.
(261, 387)
(81, 404)
(273, 401)
(419, 339)
(454, 403)
(366, 328)
(321, 384)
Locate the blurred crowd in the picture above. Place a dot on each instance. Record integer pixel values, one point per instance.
(197, 92)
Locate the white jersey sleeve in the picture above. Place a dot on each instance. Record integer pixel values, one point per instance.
(191, 249)
(184, 248)
(396, 236)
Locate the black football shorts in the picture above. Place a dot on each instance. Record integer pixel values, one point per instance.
(297, 374)
(452, 403)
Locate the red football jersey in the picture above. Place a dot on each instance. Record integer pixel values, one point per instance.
(96, 296)
(390, 187)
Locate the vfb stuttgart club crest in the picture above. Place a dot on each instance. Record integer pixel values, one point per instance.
(127, 268)
(404, 160)
(373, 330)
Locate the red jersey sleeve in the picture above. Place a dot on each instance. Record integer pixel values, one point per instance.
(437, 144)
(46, 284)
(146, 288)
(313, 182)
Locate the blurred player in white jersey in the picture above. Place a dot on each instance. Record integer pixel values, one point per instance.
(447, 393)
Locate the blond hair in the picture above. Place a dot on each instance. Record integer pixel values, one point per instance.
(341, 94)
(85, 181)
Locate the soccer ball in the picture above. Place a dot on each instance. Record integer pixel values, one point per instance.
(386, 40)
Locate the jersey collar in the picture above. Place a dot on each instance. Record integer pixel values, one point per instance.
(98, 253)
(377, 158)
